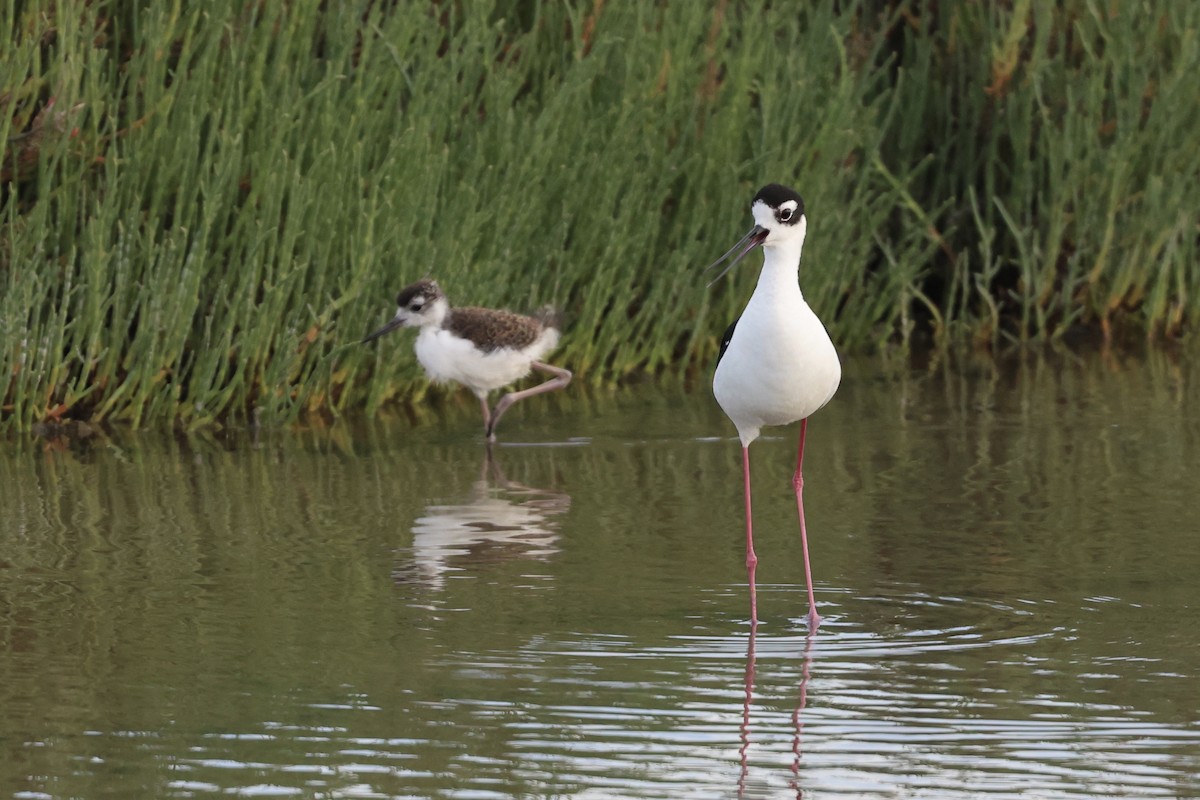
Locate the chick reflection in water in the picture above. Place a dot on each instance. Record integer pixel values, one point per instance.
(500, 520)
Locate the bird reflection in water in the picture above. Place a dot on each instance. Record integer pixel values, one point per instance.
(797, 711)
(500, 520)
(744, 750)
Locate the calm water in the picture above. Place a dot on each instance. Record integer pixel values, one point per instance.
(1006, 556)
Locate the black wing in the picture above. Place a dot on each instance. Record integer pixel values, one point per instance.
(726, 339)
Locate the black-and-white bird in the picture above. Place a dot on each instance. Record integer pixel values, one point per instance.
(484, 349)
(777, 363)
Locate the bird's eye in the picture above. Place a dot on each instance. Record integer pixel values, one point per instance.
(415, 305)
(785, 214)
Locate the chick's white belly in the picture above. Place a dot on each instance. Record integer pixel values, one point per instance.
(446, 357)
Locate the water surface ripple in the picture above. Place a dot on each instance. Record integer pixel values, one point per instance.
(1004, 555)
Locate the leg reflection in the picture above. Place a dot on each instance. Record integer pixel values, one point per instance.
(798, 712)
(749, 694)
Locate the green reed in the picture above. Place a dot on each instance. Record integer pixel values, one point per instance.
(1070, 193)
(220, 202)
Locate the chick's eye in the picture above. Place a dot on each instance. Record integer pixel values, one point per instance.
(415, 305)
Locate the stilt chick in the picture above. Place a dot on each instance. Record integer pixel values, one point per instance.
(484, 349)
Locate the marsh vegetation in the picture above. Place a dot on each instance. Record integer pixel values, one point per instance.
(203, 207)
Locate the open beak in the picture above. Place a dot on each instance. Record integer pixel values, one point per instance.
(391, 326)
(756, 236)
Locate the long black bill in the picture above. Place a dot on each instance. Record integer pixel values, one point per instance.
(751, 240)
(391, 326)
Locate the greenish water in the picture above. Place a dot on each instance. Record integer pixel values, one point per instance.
(1006, 558)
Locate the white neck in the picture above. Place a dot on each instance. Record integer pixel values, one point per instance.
(435, 317)
(781, 269)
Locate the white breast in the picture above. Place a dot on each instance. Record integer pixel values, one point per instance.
(780, 366)
(446, 357)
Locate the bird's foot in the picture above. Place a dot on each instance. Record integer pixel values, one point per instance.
(814, 620)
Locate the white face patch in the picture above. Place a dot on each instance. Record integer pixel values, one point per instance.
(412, 312)
(422, 311)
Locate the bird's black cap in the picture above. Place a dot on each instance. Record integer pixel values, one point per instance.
(775, 195)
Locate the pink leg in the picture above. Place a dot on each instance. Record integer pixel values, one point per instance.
(561, 378)
(751, 558)
(814, 619)
(487, 413)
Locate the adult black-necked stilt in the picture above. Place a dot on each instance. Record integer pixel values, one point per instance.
(482, 348)
(777, 364)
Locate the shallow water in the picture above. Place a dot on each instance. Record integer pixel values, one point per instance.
(1006, 558)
